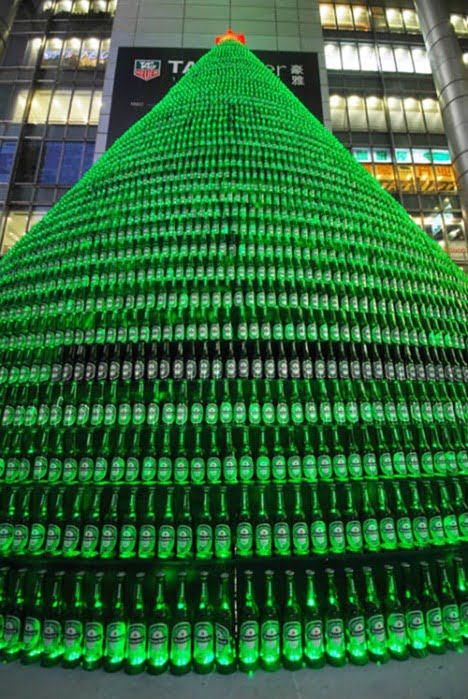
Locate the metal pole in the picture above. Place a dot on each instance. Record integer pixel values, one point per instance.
(451, 81)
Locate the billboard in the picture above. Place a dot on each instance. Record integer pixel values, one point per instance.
(145, 75)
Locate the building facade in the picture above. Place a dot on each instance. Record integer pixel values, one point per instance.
(58, 74)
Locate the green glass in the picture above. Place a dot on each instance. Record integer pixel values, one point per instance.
(335, 642)
(181, 631)
(335, 529)
(300, 529)
(318, 526)
(222, 528)
(203, 631)
(461, 510)
(281, 528)
(184, 530)
(418, 517)
(204, 529)
(12, 640)
(3, 590)
(166, 532)
(414, 615)
(449, 517)
(93, 638)
(52, 630)
(314, 643)
(38, 526)
(404, 529)
(109, 534)
(73, 625)
(248, 636)
(55, 527)
(370, 527)
(263, 531)
(397, 638)
(461, 591)
(159, 625)
(356, 642)
(22, 530)
(374, 620)
(73, 530)
(33, 621)
(225, 650)
(451, 617)
(244, 531)
(432, 612)
(136, 629)
(147, 529)
(292, 626)
(115, 647)
(352, 524)
(387, 531)
(270, 638)
(92, 527)
(7, 528)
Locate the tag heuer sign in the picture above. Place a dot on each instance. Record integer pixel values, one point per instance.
(146, 69)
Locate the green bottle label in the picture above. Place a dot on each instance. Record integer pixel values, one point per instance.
(451, 528)
(181, 638)
(147, 541)
(412, 463)
(12, 631)
(421, 530)
(354, 535)
(164, 470)
(108, 540)
(248, 639)
(203, 639)
(335, 633)
(54, 534)
(73, 635)
(204, 539)
(405, 531)
(117, 471)
(90, 539)
(356, 630)
(158, 644)
(324, 467)
(20, 539)
(148, 471)
(451, 618)
(230, 469)
(116, 639)
(166, 541)
(6, 536)
(399, 463)
(100, 469)
(462, 523)
(370, 529)
(282, 537)
(263, 468)
(52, 635)
(376, 629)
(40, 468)
(300, 535)
(224, 643)
(71, 539)
(184, 540)
(55, 471)
(94, 638)
(197, 470)
(336, 535)
(31, 633)
(415, 623)
(37, 538)
(263, 539)
(292, 637)
(387, 531)
(386, 467)
(70, 470)
(132, 470)
(434, 627)
(340, 468)
(294, 468)
(318, 536)
(355, 466)
(244, 538)
(222, 540)
(181, 470)
(313, 635)
(136, 640)
(213, 469)
(436, 529)
(396, 627)
(246, 468)
(427, 463)
(309, 468)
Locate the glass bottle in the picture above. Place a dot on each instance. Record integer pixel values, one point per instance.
(404, 529)
(244, 530)
(336, 533)
(300, 529)
(418, 517)
(184, 531)
(166, 533)
(91, 522)
(248, 639)
(222, 528)
(73, 630)
(356, 645)
(375, 622)
(451, 617)
(397, 639)
(203, 631)
(318, 527)
(388, 540)
(263, 530)
(204, 529)
(270, 642)
(109, 534)
(116, 628)
(136, 629)
(33, 621)
(449, 518)
(74, 527)
(432, 612)
(14, 614)
(281, 528)
(417, 639)
(52, 640)
(335, 645)
(461, 591)
(181, 631)
(461, 510)
(147, 530)
(314, 646)
(93, 641)
(225, 652)
(159, 629)
(353, 530)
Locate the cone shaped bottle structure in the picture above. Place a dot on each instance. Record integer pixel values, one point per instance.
(230, 363)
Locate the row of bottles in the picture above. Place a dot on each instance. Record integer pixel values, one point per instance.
(183, 631)
(127, 523)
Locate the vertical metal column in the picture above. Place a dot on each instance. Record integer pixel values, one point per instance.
(451, 81)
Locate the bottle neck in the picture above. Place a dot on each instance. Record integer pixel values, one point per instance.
(280, 502)
(56, 592)
(351, 589)
(269, 601)
(398, 497)
(392, 590)
(204, 596)
(206, 503)
(249, 596)
(160, 595)
(462, 584)
(119, 601)
(261, 505)
(97, 594)
(77, 596)
(150, 504)
(297, 502)
(366, 503)
(332, 592)
(311, 595)
(371, 592)
(169, 504)
(428, 588)
(138, 602)
(333, 499)
(181, 602)
(222, 503)
(315, 500)
(349, 500)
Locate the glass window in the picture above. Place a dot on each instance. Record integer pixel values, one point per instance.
(71, 163)
(15, 228)
(32, 51)
(361, 18)
(46, 7)
(368, 57)
(104, 52)
(421, 61)
(95, 107)
(88, 156)
(15, 51)
(396, 114)
(440, 155)
(7, 154)
(80, 7)
(28, 160)
(386, 176)
(362, 155)
(35, 217)
(344, 17)
(445, 177)
(381, 155)
(394, 20)
(327, 16)
(414, 115)
(459, 24)
(465, 59)
(51, 156)
(89, 53)
(406, 178)
(403, 155)
(14, 110)
(333, 57)
(403, 60)
(111, 5)
(350, 58)
(379, 19)
(425, 178)
(376, 114)
(39, 108)
(59, 107)
(79, 112)
(70, 53)
(433, 115)
(52, 53)
(410, 18)
(357, 113)
(63, 7)
(387, 60)
(99, 6)
(338, 113)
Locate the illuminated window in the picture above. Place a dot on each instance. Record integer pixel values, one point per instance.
(89, 53)
(79, 112)
(379, 19)
(357, 113)
(394, 20)
(376, 114)
(32, 52)
(421, 61)
(59, 107)
(71, 52)
(327, 16)
(465, 59)
(80, 7)
(39, 108)
(414, 116)
(410, 18)
(460, 24)
(338, 113)
(425, 178)
(349, 56)
(104, 52)
(96, 104)
(386, 176)
(387, 59)
(111, 6)
(15, 228)
(396, 114)
(46, 6)
(63, 7)
(18, 105)
(344, 17)
(406, 178)
(445, 178)
(98, 6)
(361, 18)
(433, 115)
(333, 57)
(403, 60)
(52, 52)
(368, 57)
(7, 154)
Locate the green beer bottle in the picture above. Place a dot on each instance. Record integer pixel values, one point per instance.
(116, 629)
(370, 527)
(461, 591)
(450, 610)
(318, 527)
(197, 461)
(292, 627)
(158, 630)
(52, 634)
(7, 528)
(213, 462)
(248, 639)
(91, 526)
(335, 644)
(204, 529)
(73, 529)
(388, 539)
(355, 626)
(300, 529)
(184, 530)
(314, 647)
(22, 525)
(246, 463)
(225, 652)
(181, 631)
(147, 530)
(461, 510)
(336, 532)
(270, 641)
(432, 612)
(166, 533)
(281, 528)
(418, 517)
(404, 529)
(3, 595)
(244, 530)
(128, 529)
(414, 616)
(38, 525)
(375, 622)
(109, 534)
(93, 639)
(397, 639)
(263, 529)
(55, 527)
(352, 524)
(203, 631)
(222, 528)
(434, 519)
(136, 629)
(73, 631)
(14, 620)
(33, 620)
(449, 518)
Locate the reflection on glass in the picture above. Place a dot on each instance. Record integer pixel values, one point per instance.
(89, 53)
(50, 162)
(327, 16)
(338, 113)
(52, 51)
(59, 107)
(15, 228)
(376, 114)
(361, 18)
(7, 153)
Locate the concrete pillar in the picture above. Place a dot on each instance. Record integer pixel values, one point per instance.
(451, 81)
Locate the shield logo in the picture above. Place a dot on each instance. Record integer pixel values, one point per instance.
(146, 69)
